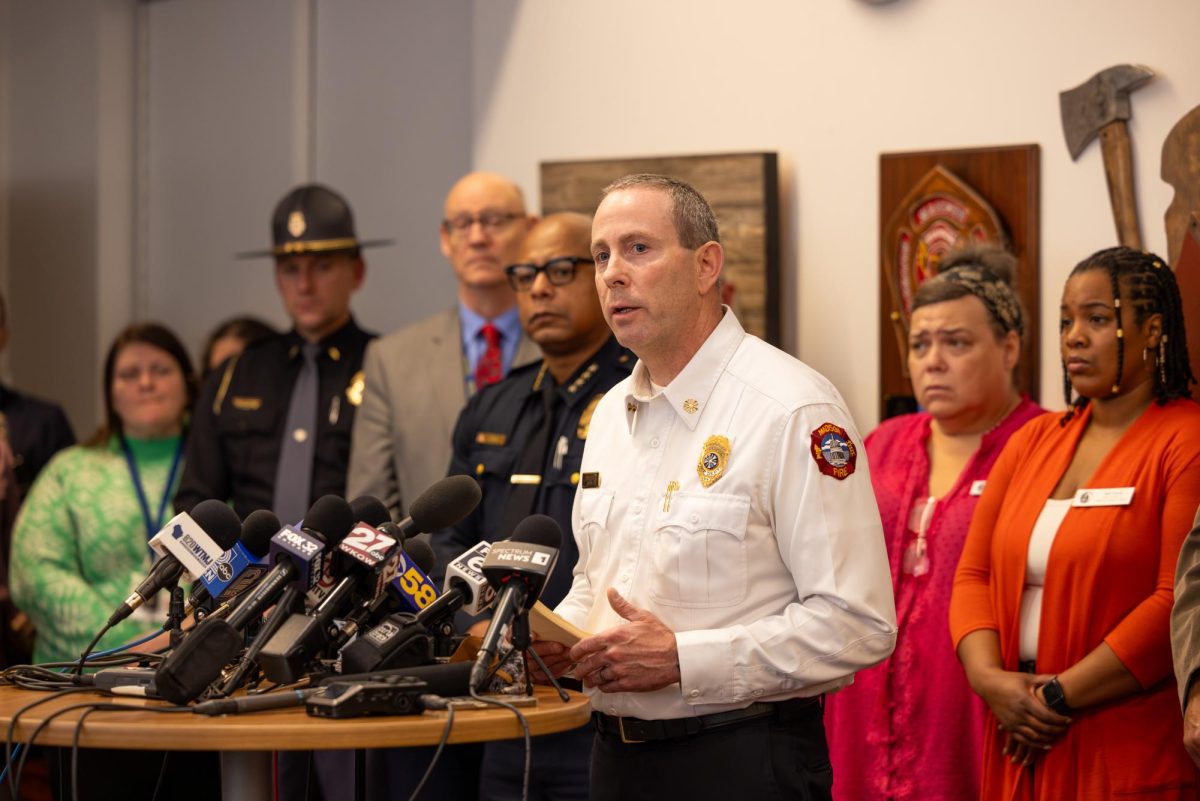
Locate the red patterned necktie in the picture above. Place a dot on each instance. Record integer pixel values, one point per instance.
(488, 368)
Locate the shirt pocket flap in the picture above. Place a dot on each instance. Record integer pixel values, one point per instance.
(492, 462)
(594, 505)
(258, 418)
(705, 511)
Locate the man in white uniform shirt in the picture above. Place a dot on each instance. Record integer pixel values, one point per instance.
(732, 563)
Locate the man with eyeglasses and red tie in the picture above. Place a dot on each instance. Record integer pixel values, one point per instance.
(523, 440)
(418, 378)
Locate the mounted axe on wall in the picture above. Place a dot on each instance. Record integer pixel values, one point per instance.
(1181, 169)
(1100, 107)
(1187, 273)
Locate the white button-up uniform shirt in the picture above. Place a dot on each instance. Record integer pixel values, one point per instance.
(775, 576)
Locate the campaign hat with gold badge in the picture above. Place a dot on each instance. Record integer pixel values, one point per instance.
(313, 219)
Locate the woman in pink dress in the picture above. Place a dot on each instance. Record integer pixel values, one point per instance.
(911, 727)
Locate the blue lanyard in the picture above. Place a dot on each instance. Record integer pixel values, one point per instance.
(152, 524)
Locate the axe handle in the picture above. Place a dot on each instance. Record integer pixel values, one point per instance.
(1118, 169)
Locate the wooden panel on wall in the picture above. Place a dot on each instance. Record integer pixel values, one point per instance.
(743, 190)
(1009, 179)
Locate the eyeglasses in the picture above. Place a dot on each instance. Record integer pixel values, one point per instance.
(559, 272)
(492, 222)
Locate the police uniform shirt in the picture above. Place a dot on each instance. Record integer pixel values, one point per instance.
(492, 436)
(237, 426)
(736, 505)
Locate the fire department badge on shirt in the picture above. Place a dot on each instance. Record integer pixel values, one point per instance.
(833, 451)
(713, 460)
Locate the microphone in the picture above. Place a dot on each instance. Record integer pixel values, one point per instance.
(297, 558)
(367, 559)
(445, 503)
(402, 638)
(447, 679)
(412, 583)
(519, 566)
(370, 510)
(441, 506)
(464, 575)
(298, 555)
(187, 542)
(255, 703)
(241, 566)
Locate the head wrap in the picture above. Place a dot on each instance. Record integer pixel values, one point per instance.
(996, 295)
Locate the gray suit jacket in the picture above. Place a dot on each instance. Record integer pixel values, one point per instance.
(414, 390)
(1185, 616)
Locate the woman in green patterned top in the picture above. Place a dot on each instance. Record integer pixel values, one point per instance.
(80, 541)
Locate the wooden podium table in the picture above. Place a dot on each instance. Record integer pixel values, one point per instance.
(245, 741)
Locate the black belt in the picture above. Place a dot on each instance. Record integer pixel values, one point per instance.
(636, 730)
(1027, 666)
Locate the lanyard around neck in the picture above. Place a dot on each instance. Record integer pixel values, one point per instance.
(155, 523)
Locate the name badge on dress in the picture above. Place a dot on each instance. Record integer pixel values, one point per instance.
(1107, 496)
(977, 487)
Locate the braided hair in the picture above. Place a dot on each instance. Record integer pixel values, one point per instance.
(1151, 289)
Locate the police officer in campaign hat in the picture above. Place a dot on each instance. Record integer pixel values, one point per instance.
(271, 428)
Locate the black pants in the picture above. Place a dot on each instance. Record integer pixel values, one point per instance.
(783, 756)
(392, 774)
(558, 768)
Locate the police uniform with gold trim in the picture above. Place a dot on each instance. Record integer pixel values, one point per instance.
(490, 441)
(237, 425)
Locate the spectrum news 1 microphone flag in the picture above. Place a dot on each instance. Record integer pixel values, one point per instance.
(519, 567)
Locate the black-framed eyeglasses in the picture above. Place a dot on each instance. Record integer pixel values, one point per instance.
(492, 222)
(559, 272)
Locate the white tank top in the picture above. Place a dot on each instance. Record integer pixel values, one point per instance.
(1044, 531)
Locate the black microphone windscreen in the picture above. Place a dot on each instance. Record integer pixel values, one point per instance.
(219, 522)
(445, 503)
(447, 680)
(257, 530)
(331, 517)
(370, 510)
(422, 553)
(538, 530)
(197, 662)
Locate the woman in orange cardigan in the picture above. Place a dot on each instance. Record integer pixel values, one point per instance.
(1061, 603)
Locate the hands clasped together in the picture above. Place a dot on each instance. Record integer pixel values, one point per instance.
(1017, 702)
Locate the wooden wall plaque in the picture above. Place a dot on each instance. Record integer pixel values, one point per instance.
(1008, 178)
(1187, 274)
(743, 190)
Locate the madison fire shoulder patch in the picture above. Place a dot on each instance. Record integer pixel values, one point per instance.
(833, 451)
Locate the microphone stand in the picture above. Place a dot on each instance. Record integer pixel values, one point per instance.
(521, 639)
(283, 608)
(175, 615)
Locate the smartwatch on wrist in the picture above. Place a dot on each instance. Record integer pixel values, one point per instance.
(1052, 691)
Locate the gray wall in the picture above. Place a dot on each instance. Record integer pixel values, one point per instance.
(67, 183)
(143, 145)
